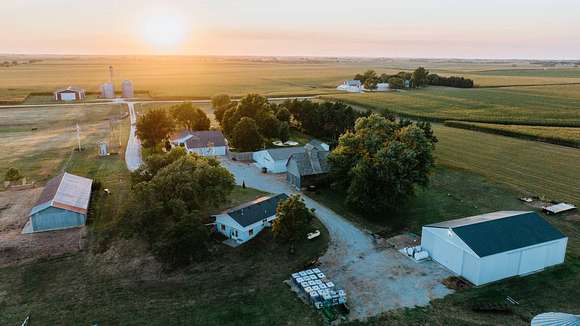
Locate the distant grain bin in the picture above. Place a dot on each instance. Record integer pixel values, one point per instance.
(127, 87)
(107, 90)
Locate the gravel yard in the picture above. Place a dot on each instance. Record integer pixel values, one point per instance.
(376, 278)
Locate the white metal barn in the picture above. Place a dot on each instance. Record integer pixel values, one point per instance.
(494, 246)
(275, 159)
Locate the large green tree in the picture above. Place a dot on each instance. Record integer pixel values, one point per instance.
(220, 104)
(190, 117)
(154, 163)
(153, 127)
(246, 136)
(381, 162)
(293, 219)
(168, 211)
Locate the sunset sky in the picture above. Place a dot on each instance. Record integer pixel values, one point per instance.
(419, 28)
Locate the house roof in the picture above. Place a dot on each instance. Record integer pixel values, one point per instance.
(66, 191)
(256, 210)
(284, 153)
(489, 234)
(70, 89)
(204, 138)
(312, 161)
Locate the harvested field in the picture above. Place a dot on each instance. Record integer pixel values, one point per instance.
(17, 248)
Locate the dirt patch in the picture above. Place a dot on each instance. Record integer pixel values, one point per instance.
(17, 248)
(405, 240)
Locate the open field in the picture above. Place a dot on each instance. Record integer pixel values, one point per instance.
(202, 77)
(566, 73)
(38, 140)
(550, 106)
(527, 166)
(555, 135)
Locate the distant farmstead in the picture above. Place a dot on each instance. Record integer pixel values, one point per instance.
(490, 247)
(352, 86)
(204, 143)
(69, 94)
(63, 204)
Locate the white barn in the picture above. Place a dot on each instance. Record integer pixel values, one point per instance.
(274, 159)
(352, 86)
(69, 94)
(490, 247)
(242, 223)
(203, 143)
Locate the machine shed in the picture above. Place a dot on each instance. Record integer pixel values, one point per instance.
(63, 204)
(490, 247)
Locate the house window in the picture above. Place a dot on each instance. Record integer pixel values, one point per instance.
(251, 232)
(223, 227)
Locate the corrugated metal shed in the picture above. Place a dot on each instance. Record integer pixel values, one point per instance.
(66, 191)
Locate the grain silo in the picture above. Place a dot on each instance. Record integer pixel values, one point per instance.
(107, 90)
(127, 87)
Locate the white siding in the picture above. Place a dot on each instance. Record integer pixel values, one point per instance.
(68, 96)
(209, 151)
(231, 229)
(264, 160)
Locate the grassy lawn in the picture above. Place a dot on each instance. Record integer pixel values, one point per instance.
(556, 135)
(39, 140)
(527, 105)
(457, 193)
(240, 286)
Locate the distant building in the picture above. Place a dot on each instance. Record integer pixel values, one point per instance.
(204, 143)
(490, 247)
(127, 88)
(308, 167)
(107, 90)
(69, 94)
(353, 86)
(242, 223)
(63, 204)
(383, 87)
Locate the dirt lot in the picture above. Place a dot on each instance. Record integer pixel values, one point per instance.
(16, 248)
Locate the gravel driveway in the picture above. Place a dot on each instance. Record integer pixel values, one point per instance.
(376, 279)
(133, 152)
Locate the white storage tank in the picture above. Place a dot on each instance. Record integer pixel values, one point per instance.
(127, 88)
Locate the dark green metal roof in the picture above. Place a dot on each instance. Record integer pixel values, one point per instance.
(504, 231)
(257, 210)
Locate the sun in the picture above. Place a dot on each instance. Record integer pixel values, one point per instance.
(164, 32)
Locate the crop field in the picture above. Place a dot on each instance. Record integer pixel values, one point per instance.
(566, 73)
(511, 105)
(38, 140)
(532, 168)
(203, 77)
(556, 135)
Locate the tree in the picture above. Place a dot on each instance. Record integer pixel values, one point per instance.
(190, 117)
(13, 174)
(153, 127)
(283, 115)
(284, 131)
(396, 83)
(268, 125)
(168, 210)
(371, 83)
(293, 219)
(251, 104)
(153, 163)
(220, 104)
(246, 136)
(380, 164)
(420, 77)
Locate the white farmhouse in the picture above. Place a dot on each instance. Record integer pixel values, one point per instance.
(352, 86)
(274, 159)
(204, 143)
(490, 247)
(242, 223)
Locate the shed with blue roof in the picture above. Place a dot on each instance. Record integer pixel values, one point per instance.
(490, 247)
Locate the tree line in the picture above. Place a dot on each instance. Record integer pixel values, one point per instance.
(420, 77)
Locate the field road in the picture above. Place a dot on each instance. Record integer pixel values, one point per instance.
(133, 151)
(375, 279)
